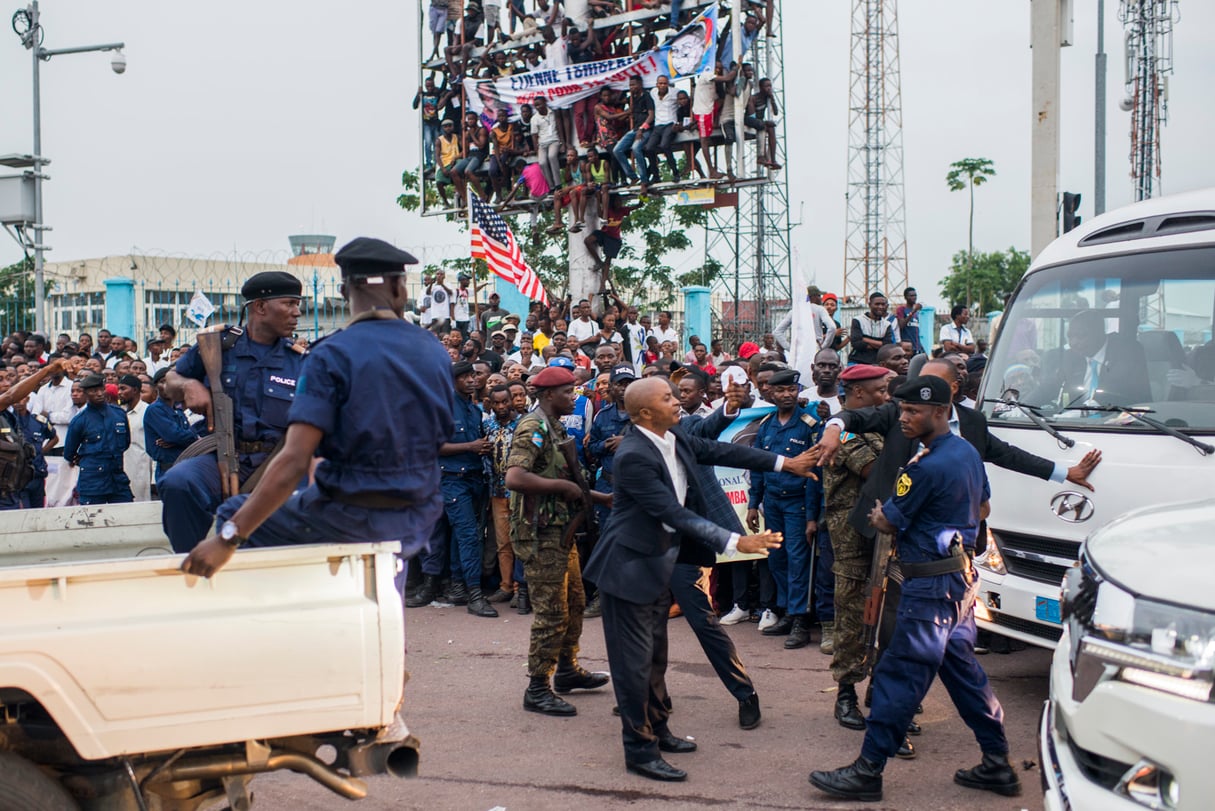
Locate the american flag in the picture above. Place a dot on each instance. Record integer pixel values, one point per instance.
(493, 241)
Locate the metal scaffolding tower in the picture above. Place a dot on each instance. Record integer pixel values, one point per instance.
(1149, 60)
(875, 253)
(751, 239)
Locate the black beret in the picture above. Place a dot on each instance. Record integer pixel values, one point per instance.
(160, 375)
(130, 380)
(461, 368)
(366, 256)
(925, 390)
(976, 366)
(271, 284)
(785, 377)
(92, 381)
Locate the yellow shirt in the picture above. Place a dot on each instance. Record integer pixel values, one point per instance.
(539, 341)
(449, 150)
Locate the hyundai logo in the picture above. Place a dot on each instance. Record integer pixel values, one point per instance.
(1073, 507)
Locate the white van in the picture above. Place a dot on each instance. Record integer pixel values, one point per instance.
(1106, 343)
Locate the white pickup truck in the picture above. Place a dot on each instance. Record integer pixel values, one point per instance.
(125, 684)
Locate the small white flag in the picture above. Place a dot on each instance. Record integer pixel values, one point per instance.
(200, 308)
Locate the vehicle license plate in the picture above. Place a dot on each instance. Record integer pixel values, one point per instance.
(1047, 610)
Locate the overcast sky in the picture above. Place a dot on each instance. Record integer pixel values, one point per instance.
(237, 124)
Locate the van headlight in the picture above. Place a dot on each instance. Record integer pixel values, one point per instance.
(991, 559)
(1152, 644)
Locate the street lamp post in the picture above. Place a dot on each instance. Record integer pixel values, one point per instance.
(28, 26)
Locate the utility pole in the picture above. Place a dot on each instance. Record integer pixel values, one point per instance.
(1045, 36)
(1099, 118)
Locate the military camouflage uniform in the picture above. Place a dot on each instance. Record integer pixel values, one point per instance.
(538, 522)
(853, 553)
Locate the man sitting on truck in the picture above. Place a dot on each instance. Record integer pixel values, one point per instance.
(260, 368)
(379, 477)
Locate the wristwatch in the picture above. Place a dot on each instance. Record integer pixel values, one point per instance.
(230, 535)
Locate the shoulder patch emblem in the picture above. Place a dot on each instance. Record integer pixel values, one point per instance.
(903, 486)
(538, 439)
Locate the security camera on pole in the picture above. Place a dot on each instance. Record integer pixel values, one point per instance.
(28, 26)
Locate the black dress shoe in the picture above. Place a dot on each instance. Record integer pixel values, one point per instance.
(657, 770)
(915, 729)
(783, 627)
(748, 712)
(993, 774)
(861, 780)
(906, 750)
(846, 711)
(674, 745)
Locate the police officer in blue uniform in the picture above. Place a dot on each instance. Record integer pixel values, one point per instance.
(791, 505)
(261, 367)
(379, 475)
(939, 499)
(96, 439)
(606, 431)
(166, 431)
(462, 462)
(38, 432)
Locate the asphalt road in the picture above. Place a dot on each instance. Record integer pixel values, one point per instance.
(481, 751)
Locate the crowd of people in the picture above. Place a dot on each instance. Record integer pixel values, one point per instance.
(576, 156)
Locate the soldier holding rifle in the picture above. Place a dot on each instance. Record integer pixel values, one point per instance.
(545, 481)
(244, 382)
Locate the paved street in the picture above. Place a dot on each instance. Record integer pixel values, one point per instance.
(480, 750)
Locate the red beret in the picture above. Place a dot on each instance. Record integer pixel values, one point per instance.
(747, 350)
(864, 371)
(552, 376)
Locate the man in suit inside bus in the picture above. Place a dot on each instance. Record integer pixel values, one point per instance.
(1109, 369)
(658, 501)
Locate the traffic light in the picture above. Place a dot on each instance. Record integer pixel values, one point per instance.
(1071, 204)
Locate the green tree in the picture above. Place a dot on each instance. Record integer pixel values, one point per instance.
(990, 276)
(966, 174)
(17, 295)
(650, 234)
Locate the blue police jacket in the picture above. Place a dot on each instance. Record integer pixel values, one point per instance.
(380, 391)
(793, 438)
(261, 380)
(609, 422)
(936, 498)
(575, 424)
(469, 427)
(162, 421)
(36, 429)
(96, 440)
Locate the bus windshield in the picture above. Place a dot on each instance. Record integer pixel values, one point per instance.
(1081, 341)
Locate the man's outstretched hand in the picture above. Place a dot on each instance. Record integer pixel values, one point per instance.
(759, 544)
(208, 557)
(1079, 473)
(802, 464)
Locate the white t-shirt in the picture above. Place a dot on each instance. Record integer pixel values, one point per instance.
(461, 298)
(665, 109)
(544, 127)
(704, 97)
(668, 334)
(580, 330)
(959, 335)
(440, 304)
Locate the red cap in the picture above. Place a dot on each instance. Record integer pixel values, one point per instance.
(831, 296)
(551, 377)
(748, 349)
(111, 389)
(863, 371)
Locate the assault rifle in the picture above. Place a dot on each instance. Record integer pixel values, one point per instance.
(210, 349)
(585, 520)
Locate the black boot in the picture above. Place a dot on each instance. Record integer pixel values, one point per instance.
(799, 634)
(570, 676)
(846, 711)
(993, 774)
(457, 593)
(783, 627)
(539, 698)
(426, 593)
(523, 603)
(860, 781)
(478, 606)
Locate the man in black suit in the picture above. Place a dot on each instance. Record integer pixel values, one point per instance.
(898, 449)
(1109, 369)
(657, 504)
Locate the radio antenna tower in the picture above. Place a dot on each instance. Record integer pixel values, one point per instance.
(875, 254)
(1149, 60)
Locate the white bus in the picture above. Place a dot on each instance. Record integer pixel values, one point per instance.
(1106, 343)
